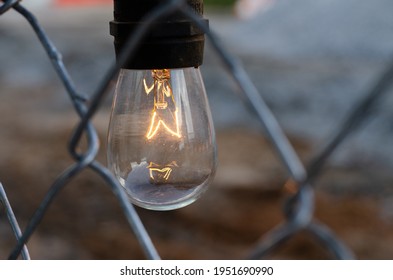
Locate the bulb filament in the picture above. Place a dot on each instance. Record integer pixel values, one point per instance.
(164, 117)
(156, 171)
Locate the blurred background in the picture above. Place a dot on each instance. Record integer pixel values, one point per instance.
(310, 60)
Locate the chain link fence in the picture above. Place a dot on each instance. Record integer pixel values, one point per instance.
(298, 209)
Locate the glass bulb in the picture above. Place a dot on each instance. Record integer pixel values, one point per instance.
(161, 141)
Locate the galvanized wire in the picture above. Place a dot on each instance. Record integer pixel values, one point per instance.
(83, 160)
(13, 221)
(299, 209)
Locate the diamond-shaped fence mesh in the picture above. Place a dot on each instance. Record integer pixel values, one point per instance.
(298, 210)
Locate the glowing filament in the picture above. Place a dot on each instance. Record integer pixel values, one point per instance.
(156, 171)
(163, 116)
(155, 126)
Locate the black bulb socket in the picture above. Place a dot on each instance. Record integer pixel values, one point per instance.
(174, 41)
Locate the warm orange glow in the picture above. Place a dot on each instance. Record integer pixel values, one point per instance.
(166, 170)
(157, 123)
(164, 117)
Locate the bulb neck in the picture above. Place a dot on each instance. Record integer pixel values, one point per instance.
(174, 41)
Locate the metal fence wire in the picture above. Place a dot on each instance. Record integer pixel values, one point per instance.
(299, 209)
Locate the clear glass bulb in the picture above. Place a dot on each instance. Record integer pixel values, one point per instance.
(161, 141)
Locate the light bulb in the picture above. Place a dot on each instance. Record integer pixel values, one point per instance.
(161, 141)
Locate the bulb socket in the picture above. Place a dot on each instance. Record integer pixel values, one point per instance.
(173, 41)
